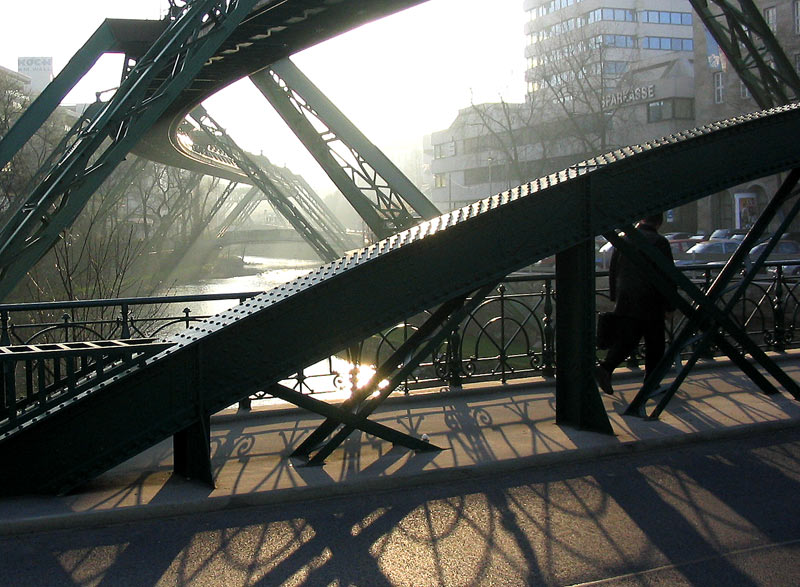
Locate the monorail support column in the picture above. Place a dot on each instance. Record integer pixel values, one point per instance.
(578, 401)
(192, 451)
(192, 445)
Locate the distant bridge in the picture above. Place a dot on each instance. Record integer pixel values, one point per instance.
(270, 234)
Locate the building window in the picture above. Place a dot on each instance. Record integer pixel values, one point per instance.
(624, 41)
(443, 150)
(617, 14)
(664, 17)
(667, 43)
(659, 110)
(797, 17)
(719, 88)
(670, 109)
(440, 180)
(744, 93)
(614, 67)
(771, 18)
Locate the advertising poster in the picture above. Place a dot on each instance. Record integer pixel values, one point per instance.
(745, 209)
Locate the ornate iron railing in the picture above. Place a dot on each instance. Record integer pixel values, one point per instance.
(510, 335)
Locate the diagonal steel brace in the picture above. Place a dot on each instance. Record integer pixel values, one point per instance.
(703, 311)
(396, 368)
(692, 313)
(312, 404)
(714, 293)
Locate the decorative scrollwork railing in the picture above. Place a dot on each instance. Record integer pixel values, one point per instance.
(510, 335)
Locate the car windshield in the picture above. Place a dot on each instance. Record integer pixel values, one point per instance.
(706, 247)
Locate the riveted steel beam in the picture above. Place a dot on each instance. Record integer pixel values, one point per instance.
(578, 400)
(380, 193)
(266, 338)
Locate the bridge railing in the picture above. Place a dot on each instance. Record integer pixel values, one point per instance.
(46, 356)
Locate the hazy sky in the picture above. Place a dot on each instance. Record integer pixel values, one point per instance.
(397, 79)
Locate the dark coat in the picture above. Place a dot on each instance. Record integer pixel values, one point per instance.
(635, 296)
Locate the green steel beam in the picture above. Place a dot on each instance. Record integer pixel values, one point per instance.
(318, 239)
(394, 370)
(752, 49)
(396, 203)
(177, 56)
(102, 41)
(704, 310)
(251, 198)
(266, 339)
(714, 294)
(578, 401)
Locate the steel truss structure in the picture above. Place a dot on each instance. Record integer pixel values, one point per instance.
(255, 345)
(757, 57)
(307, 214)
(751, 47)
(384, 198)
(165, 69)
(224, 359)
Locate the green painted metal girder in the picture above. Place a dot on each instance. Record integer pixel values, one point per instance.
(102, 41)
(273, 31)
(267, 338)
(739, 28)
(720, 286)
(395, 203)
(251, 198)
(181, 52)
(578, 401)
(315, 235)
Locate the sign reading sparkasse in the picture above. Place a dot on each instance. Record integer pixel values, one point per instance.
(630, 95)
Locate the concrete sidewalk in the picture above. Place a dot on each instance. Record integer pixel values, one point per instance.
(482, 431)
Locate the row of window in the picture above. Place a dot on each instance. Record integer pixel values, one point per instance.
(648, 42)
(657, 111)
(551, 6)
(662, 16)
(609, 14)
(667, 43)
(670, 109)
(665, 17)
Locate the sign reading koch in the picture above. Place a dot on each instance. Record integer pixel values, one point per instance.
(31, 64)
(632, 95)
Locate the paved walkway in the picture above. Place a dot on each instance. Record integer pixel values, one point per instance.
(482, 431)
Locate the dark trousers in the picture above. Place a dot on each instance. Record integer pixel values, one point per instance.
(629, 332)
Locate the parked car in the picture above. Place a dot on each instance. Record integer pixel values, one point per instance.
(674, 236)
(680, 247)
(710, 251)
(785, 250)
(728, 233)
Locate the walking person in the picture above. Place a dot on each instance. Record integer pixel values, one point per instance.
(640, 308)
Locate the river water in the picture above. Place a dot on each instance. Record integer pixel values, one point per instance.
(265, 273)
